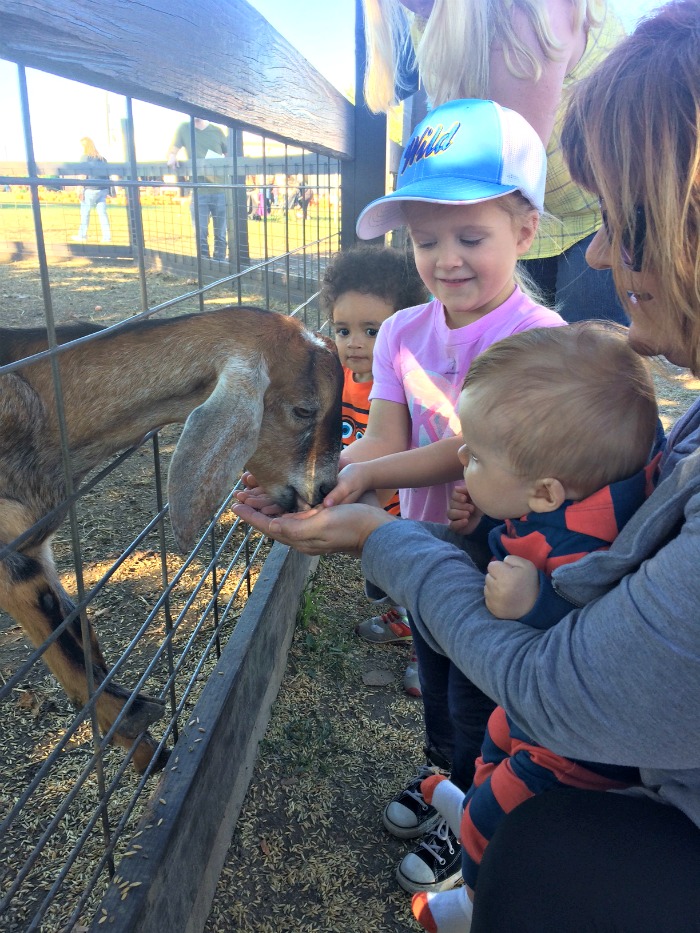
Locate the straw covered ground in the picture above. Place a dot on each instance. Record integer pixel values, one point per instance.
(310, 853)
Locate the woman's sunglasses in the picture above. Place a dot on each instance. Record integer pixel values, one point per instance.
(631, 253)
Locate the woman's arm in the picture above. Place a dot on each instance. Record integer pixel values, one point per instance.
(617, 681)
(538, 102)
(344, 529)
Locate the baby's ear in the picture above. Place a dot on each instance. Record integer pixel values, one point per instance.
(546, 495)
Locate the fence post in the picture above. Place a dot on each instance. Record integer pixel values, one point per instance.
(364, 177)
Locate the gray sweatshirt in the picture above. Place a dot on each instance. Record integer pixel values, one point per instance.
(618, 679)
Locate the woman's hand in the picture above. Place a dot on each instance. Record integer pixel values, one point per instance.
(512, 587)
(463, 515)
(344, 528)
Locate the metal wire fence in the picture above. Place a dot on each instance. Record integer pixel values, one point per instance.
(69, 800)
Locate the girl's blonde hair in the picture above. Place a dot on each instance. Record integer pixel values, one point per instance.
(576, 403)
(632, 135)
(453, 52)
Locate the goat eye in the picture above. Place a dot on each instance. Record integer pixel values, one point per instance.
(304, 413)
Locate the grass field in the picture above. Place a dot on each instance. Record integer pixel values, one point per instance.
(167, 227)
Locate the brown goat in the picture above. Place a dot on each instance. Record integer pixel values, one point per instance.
(253, 388)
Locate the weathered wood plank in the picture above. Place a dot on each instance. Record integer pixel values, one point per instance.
(216, 59)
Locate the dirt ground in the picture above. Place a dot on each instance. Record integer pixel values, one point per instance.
(309, 852)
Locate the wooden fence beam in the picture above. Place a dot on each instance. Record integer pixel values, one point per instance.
(213, 59)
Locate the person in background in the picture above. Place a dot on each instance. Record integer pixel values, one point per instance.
(93, 197)
(527, 56)
(301, 198)
(617, 680)
(362, 287)
(210, 142)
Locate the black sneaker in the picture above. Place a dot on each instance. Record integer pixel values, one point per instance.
(435, 865)
(408, 815)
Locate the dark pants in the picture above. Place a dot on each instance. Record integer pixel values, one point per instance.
(578, 292)
(211, 203)
(456, 712)
(576, 861)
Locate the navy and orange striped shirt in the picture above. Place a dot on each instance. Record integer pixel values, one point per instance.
(551, 539)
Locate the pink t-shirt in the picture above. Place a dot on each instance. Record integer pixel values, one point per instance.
(419, 362)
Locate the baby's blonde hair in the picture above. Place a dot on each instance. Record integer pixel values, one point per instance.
(453, 51)
(575, 403)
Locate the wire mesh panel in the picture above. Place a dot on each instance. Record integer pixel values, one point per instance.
(88, 243)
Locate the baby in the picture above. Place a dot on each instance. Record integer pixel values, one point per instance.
(558, 427)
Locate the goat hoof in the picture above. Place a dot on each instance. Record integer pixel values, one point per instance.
(144, 755)
(143, 713)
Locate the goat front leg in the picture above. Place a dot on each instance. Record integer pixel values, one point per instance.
(32, 594)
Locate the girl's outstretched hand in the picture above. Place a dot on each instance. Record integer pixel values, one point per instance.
(351, 485)
(344, 528)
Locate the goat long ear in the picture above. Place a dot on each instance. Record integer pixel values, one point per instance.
(218, 438)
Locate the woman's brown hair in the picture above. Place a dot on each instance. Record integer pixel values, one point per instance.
(632, 134)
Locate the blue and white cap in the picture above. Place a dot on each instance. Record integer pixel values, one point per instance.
(463, 152)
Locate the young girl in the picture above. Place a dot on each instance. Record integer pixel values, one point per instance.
(470, 188)
(362, 287)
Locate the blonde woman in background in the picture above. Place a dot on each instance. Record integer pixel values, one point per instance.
(93, 197)
(524, 54)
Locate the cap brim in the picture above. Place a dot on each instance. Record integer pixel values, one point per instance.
(385, 214)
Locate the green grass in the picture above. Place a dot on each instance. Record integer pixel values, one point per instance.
(167, 227)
